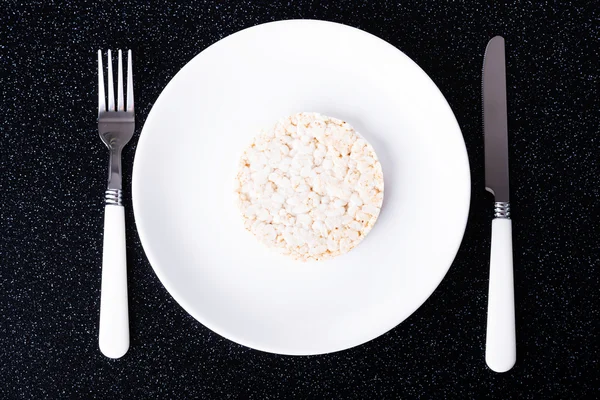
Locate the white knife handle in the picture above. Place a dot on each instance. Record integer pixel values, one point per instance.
(501, 350)
(114, 315)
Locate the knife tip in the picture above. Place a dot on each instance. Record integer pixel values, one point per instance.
(497, 38)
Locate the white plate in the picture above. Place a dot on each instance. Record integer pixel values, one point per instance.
(185, 167)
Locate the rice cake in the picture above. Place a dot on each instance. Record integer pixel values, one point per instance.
(311, 187)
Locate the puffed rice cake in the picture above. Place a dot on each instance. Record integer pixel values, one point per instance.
(311, 187)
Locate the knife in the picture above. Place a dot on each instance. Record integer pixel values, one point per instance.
(500, 348)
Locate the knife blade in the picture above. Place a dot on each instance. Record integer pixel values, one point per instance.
(500, 349)
(495, 127)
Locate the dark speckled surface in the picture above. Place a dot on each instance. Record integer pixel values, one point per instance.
(52, 179)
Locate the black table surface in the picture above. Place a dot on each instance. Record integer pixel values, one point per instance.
(52, 180)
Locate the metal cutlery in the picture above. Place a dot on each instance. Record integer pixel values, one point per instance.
(116, 126)
(500, 353)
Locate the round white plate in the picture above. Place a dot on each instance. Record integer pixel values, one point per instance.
(185, 168)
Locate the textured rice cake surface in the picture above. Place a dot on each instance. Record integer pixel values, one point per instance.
(311, 187)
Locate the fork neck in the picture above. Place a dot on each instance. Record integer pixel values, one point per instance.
(114, 169)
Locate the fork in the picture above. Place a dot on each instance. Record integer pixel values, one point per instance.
(116, 128)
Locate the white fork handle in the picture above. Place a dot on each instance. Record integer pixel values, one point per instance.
(501, 350)
(114, 315)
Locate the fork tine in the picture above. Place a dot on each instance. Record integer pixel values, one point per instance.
(101, 95)
(129, 83)
(111, 85)
(120, 106)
